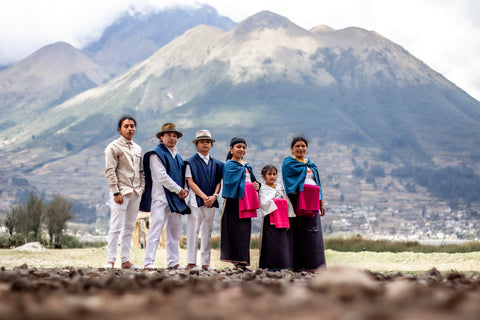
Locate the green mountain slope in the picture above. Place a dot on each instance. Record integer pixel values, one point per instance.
(362, 100)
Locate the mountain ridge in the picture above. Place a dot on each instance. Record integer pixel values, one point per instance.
(106, 58)
(113, 49)
(243, 59)
(47, 77)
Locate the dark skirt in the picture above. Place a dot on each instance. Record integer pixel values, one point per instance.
(234, 234)
(307, 240)
(275, 251)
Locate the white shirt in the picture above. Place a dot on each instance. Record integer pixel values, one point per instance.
(161, 179)
(248, 177)
(310, 177)
(266, 195)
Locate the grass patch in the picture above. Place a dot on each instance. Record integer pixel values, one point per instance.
(374, 255)
(215, 242)
(356, 244)
(96, 258)
(407, 262)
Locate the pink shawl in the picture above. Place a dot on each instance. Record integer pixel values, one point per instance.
(308, 201)
(279, 217)
(249, 204)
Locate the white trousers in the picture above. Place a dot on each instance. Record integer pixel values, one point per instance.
(162, 216)
(122, 222)
(199, 221)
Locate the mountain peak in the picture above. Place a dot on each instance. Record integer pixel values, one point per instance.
(53, 51)
(322, 28)
(47, 77)
(266, 20)
(58, 45)
(147, 33)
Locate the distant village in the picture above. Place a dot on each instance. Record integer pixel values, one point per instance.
(433, 226)
(443, 225)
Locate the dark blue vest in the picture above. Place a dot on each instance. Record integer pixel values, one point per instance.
(206, 177)
(175, 169)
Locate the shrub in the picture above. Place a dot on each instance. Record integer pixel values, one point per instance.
(357, 243)
(377, 171)
(255, 243)
(183, 242)
(215, 242)
(410, 187)
(358, 172)
(370, 179)
(14, 240)
(70, 242)
(94, 244)
(4, 241)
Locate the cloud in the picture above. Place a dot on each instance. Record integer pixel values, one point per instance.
(443, 34)
(27, 25)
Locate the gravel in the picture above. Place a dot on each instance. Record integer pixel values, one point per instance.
(340, 293)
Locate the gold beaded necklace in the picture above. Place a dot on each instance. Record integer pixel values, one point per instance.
(304, 160)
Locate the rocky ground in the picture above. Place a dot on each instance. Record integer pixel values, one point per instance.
(338, 293)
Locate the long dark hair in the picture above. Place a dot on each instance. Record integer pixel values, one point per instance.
(233, 142)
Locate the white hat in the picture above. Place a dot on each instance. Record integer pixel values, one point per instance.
(203, 135)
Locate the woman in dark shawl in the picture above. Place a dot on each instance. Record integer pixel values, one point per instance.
(307, 238)
(236, 231)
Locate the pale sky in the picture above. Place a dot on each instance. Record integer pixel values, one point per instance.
(445, 34)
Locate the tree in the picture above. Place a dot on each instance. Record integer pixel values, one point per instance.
(377, 171)
(35, 210)
(20, 220)
(57, 213)
(10, 221)
(358, 172)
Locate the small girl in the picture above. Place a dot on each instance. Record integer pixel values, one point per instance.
(276, 245)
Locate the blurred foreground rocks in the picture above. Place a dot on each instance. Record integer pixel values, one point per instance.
(340, 293)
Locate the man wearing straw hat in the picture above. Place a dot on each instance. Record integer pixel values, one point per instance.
(164, 196)
(204, 176)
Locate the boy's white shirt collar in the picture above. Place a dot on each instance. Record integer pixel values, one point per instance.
(204, 158)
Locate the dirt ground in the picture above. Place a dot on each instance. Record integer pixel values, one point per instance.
(340, 293)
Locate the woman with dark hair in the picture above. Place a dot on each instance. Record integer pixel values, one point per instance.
(303, 187)
(236, 230)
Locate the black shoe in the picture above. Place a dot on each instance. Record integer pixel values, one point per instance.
(242, 267)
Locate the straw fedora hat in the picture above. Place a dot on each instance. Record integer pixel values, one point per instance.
(203, 135)
(169, 127)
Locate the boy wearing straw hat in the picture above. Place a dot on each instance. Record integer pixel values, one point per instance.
(204, 175)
